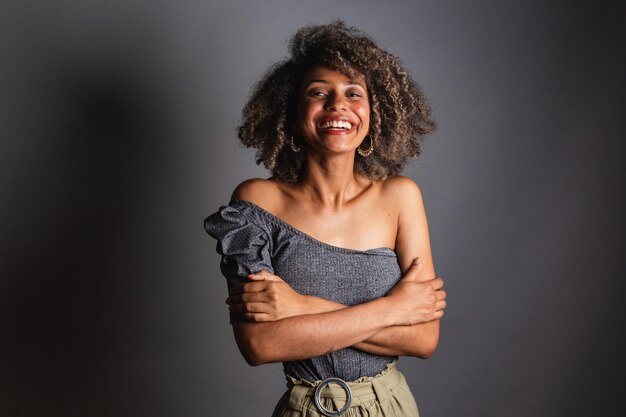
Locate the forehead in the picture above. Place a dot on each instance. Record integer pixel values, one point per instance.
(323, 74)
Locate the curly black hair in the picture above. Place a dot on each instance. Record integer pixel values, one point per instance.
(399, 113)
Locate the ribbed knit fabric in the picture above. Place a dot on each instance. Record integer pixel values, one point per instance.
(251, 239)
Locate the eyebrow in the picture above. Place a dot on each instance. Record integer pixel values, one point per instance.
(349, 82)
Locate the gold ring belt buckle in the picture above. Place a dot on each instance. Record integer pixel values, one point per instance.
(343, 385)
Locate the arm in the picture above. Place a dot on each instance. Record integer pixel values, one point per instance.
(267, 301)
(307, 336)
(311, 335)
(413, 240)
(270, 299)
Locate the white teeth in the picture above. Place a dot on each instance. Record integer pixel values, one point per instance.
(337, 124)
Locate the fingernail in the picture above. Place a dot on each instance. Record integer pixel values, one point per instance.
(417, 261)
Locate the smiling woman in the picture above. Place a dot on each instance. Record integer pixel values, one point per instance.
(333, 111)
(328, 261)
(399, 112)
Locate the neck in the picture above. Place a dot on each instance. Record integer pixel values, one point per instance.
(330, 180)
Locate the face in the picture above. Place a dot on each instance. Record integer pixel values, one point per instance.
(333, 111)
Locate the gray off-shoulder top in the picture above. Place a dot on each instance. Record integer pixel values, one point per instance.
(251, 239)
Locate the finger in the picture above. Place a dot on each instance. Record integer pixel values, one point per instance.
(414, 269)
(256, 277)
(416, 265)
(256, 286)
(249, 308)
(235, 290)
(258, 317)
(271, 277)
(252, 297)
(264, 276)
(440, 305)
(436, 283)
(235, 299)
(441, 294)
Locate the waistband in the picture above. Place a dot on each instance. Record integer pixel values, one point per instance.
(364, 390)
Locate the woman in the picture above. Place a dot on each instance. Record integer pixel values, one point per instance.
(328, 261)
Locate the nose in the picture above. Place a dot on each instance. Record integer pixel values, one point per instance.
(335, 102)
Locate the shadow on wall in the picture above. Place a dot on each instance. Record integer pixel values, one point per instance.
(85, 133)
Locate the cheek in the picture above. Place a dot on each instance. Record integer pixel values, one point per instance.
(306, 111)
(364, 114)
(302, 117)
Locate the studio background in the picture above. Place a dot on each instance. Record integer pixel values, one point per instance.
(118, 138)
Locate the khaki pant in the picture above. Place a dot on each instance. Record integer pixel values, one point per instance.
(385, 395)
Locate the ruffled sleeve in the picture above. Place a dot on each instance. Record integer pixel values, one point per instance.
(244, 245)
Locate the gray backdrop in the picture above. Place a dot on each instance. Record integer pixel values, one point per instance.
(117, 140)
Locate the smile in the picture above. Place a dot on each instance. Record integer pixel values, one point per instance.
(336, 126)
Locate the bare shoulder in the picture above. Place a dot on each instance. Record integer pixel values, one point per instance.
(402, 191)
(412, 239)
(262, 192)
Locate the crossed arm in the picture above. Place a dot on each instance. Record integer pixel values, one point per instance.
(304, 326)
(282, 325)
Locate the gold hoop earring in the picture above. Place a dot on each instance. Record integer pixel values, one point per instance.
(293, 145)
(367, 151)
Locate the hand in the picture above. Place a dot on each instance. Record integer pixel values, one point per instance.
(417, 301)
(266, 298)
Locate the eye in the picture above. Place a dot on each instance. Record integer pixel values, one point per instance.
(354, 93)
(316, 93)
